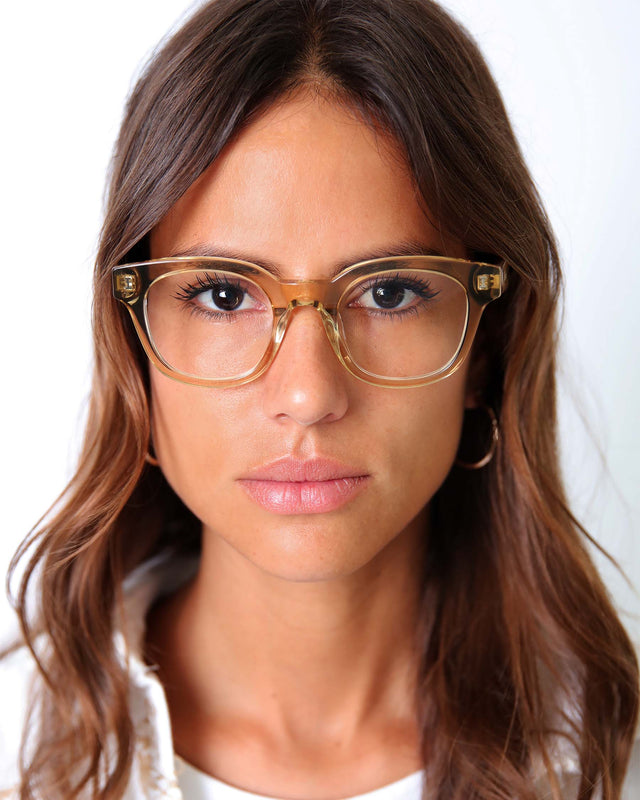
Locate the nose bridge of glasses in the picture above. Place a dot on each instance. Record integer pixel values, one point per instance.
(298, 305)
(308, 293)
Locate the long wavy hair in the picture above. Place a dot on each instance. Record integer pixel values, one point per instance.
(520, 642)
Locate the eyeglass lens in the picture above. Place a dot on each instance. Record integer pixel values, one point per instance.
(395, 324)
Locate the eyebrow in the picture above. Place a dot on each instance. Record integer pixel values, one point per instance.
(403, 248)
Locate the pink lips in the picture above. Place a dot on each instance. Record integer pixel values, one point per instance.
(295, 486)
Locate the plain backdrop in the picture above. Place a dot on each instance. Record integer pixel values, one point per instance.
(569, 71)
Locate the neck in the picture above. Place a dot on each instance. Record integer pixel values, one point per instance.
(311, 661)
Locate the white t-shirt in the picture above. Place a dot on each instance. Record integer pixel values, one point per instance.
(157, 772)
(197, 785)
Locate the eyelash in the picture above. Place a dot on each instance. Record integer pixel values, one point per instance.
(421, 288)
(189, 291)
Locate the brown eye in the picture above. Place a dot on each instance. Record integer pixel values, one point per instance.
(389, 295)
(227, 297)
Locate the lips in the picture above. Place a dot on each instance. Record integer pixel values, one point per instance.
(300, 470)
(296, 486)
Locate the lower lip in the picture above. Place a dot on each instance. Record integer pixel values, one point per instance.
(304, 497)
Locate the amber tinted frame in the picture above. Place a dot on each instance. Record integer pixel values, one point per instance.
(482, 284)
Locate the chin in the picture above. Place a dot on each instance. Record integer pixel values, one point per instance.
(307, 551)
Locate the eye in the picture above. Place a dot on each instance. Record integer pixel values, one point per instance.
(388, 295)
(220, 294)
(397, 293)
(225, 297)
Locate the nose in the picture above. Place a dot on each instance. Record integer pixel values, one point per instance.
(306, 383)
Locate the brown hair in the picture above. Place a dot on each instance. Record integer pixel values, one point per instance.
(521, 644)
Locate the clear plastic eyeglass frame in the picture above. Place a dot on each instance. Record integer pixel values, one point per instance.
(481, 282)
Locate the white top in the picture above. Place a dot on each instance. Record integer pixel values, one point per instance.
(157, 773)
(197, 785)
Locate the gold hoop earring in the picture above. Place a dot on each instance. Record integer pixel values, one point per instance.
(152, 460)
(149, 456)
(495, 437)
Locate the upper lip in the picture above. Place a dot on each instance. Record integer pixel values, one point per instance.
(298, 470)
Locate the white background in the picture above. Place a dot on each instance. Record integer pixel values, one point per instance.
(570, 74)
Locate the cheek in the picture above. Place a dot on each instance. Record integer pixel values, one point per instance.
(424, 435)
(196, 432)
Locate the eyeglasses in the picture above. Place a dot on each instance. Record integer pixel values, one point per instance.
(397, 321)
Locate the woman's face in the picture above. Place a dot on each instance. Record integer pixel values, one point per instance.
(307, 472)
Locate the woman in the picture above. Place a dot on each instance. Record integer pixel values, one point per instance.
(284, 564)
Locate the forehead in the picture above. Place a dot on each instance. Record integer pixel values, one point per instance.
(304, 186)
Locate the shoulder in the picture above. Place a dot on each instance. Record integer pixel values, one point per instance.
(152, 776)
(18, 673)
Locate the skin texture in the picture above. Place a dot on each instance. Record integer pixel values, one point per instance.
(289, 661)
